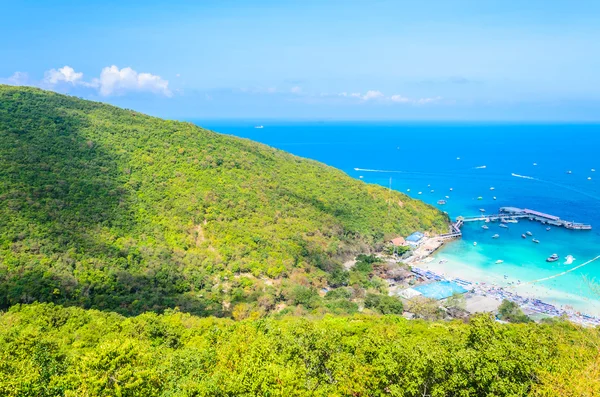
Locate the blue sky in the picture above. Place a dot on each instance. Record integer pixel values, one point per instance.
(418, 60)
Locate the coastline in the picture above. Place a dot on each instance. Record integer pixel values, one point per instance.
(430, 257)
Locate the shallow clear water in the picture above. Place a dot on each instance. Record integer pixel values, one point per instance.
(424, 158)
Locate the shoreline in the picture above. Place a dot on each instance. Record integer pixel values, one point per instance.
(531, 297)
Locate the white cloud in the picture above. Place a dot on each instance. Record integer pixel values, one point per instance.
(400, 99)
(372, 94)
(414, 101)
(296, 90)
(65, 74)
(18, 78)
(115, 81)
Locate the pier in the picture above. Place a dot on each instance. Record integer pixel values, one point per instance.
(509, 213)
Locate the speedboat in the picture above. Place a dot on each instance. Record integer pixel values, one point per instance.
(441, 202)
(529, 233)
(548, 229)
(492, 188)
(536, 241)
(523, 235)
(451, 189)
(569, 259)
(361, 177)
(474, 243)
(495, 236)
(552, 258)
(494, 197)
(482, 210)
(479, 198)
(589, 178)
(447, 197)
(420, 192)
(512, 221)
(499, 261)
(431, 190)
(534, 163)
(485, 227)
(569, 172)
(593, 170)
(408, 190)
(259, 127)
(503, 225)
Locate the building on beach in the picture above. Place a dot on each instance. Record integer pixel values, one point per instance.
(398, 241)
(415, 239)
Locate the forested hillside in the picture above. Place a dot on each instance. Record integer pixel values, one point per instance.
(111, 209)
(47, 350)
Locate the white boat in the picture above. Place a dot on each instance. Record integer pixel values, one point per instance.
(482, 210)
(534, 163)
(569, 172)
(552, 258)
(458, 158)
(494, 197)
(548, 229)
(569, 259)
(589, 178)
(447, 197)
(479, 198)
(512, 221)
(593, 170)
(428, 185)
(536, 241)
(361, 177)
(499, 261)
(485, 227)
(420, 192)
(495, 236)
(450, 189)
(492, 188)
(503, 225)
(475, 243)
(259, 127)
(529, 233)
(408, 190)
(432, 190)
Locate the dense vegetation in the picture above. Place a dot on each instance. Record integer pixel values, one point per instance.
(110, 209)
(48, 350)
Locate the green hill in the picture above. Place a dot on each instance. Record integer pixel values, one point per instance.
(111, 209)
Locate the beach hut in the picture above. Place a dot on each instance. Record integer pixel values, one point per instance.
(398, 242)
(415, 239)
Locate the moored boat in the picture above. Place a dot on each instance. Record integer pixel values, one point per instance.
(503, 225)
(495, 236)
(552, 258)
(529, 233)
(536, 241)
(485, 227)
(499, 261)
(523, 235)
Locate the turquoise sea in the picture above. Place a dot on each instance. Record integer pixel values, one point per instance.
(426, 157)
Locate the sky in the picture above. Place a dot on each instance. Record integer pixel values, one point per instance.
(319, 60)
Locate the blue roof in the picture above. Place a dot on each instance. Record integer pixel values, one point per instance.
(415, 237)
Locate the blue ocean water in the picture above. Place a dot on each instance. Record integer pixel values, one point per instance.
(432, 158)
